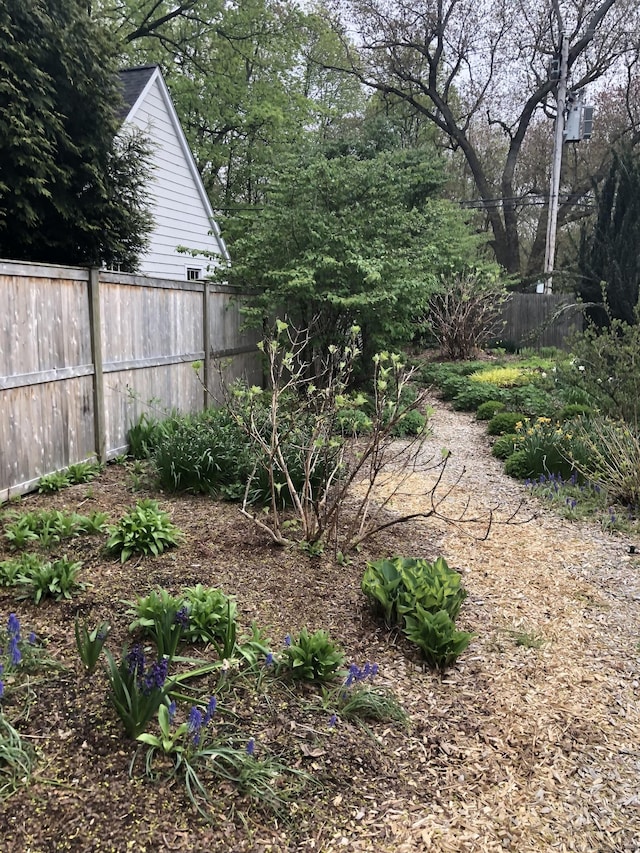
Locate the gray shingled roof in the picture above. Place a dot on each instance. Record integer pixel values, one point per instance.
(133, 81)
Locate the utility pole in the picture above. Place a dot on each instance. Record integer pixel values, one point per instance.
(558, 142)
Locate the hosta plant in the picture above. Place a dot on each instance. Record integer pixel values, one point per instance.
(436, 636)
(396, 585)
(145, 529)
(312, 657)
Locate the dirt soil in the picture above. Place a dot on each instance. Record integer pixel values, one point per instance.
(529, 743)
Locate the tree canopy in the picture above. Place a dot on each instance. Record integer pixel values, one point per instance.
(70, 192)
(348, 239)
(479, 71)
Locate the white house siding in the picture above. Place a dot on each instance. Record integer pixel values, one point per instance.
(180, 216)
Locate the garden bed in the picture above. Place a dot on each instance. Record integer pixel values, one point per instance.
(529, 743)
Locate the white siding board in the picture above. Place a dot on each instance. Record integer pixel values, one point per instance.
(180, 215)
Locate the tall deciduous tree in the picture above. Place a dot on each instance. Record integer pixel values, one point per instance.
(352, 239)
(479, 71)
(610, 253)
(69, 193)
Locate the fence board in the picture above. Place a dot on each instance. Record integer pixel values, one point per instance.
(83, 354)
(540, 320)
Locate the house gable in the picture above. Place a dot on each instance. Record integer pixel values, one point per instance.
(181, 210)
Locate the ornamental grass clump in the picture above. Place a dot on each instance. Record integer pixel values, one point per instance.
(358, 699)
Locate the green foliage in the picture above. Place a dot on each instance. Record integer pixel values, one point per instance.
(83, 472)
(144, 529)
(351, 240)
(364, 702)
(53, 482)
(16, 758)
(504, 422)
(505, 445)
(610, 456)
(486, 411)
(204, 454)
(144, 436)
(397, 585)
(49, 527)
(410, 422)
(426, 597)
(604, 256)
(546, 447)
(89, 643)
(575, 410)
(518, 465)
(57, 579)
(313, 657)
(436, 636)
(505, 376)
(210, 612)
(135, 690)
(605, 370)
(71, 191)
(471, 395)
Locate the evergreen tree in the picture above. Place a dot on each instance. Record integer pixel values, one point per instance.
(610, 254)
(69, 192)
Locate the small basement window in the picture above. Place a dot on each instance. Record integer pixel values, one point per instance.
(194, 273)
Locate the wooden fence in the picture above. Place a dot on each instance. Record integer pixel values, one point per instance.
(540, 320)
(83, 353)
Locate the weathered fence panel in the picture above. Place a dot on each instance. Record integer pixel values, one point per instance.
(83, 353)
(540, 319)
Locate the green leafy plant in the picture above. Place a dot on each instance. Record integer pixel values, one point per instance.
(608, 454)
(505, 445)
(486, 411)
(19, 534)
(436, 636)
(16, 758)
(83, 472)
(135, 690)
(89, 643)
(397, 585)
(358, 699)
(144, 529)
(204, 759)
(57, 579)
(503, 422)
(53, 482)
(312, 657)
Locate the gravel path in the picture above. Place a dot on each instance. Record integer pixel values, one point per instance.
(534, 737)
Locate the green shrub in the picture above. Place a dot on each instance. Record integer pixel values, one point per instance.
(504, 376)
(504, 422)
(505, 445)
(209, 612)
(411, 422)
(50, 483)
(548, 448)
(487, 410)
(474, 394)
(518, 465)
(610, 456)
(144, 529)
(146, 434)
(575, 410)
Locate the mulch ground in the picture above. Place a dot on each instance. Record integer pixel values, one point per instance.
(529, 743)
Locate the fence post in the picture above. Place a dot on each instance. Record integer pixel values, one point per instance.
(95, 331)
(206, 342)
